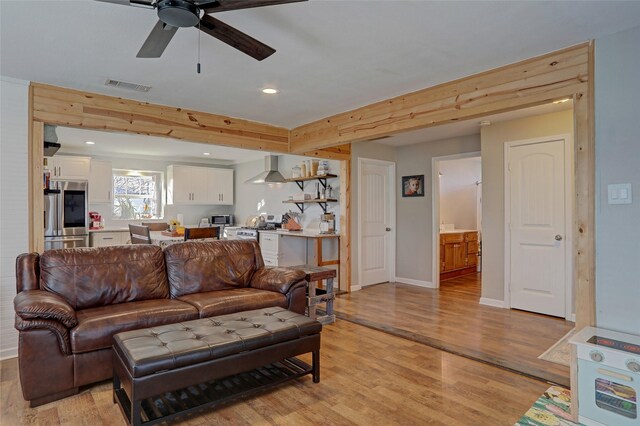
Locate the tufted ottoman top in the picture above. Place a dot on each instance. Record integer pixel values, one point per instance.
(150, 350)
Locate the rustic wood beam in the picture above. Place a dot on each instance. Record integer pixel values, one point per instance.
(67, 107)
(345, 226)
(528, 83)
(35, 153)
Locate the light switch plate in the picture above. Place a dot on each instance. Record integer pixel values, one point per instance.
(619, 193)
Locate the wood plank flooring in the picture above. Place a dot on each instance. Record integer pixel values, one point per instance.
(452, 319)
(367, 377)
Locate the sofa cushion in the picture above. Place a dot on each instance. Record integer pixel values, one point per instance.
(91, 277)
(201, 266)
(96, 326)
(222, 302)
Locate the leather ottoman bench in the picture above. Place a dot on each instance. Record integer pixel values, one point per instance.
(165, 372)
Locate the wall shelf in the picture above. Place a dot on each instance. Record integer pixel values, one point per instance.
(301, 180)
(322, 202)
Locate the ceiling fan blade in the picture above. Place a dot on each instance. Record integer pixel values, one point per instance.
(141, 3)
(224, 5)
(235, 38)
(158, 39)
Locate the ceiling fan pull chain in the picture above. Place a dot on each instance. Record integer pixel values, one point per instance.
(199, 32)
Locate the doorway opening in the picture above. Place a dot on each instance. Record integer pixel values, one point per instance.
(457, 181)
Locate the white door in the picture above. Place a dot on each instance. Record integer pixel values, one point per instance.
(536, 184)
(375, 223)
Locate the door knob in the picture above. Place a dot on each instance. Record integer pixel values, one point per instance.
(388, 229)
(558, 237)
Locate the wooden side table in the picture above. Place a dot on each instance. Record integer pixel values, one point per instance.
(315, 275)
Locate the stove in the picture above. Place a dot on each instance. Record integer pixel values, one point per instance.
(247, 234)
(608, 377)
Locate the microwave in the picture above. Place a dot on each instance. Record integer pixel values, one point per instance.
(222, 219)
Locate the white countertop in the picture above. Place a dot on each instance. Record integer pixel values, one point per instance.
(109, 229)
(457, 231)
(303, 234)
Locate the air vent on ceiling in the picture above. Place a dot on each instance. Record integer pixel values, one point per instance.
(127, 86)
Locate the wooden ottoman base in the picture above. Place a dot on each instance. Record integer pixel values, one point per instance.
(148, 397)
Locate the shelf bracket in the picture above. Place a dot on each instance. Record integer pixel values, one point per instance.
(300, 184)
(300, 206)
(323, 205)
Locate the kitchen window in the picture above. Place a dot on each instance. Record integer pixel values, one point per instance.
(137, 194)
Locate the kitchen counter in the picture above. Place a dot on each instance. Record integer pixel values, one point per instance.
(109, 229)
(302, 234)
(457, 231)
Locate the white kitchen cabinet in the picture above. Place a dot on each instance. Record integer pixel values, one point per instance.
(106, 239)
(68, 167)
(199, 185)
(100, 182)
(220, 186)
(281, 250)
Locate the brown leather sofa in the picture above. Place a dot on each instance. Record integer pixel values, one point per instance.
(71, 302)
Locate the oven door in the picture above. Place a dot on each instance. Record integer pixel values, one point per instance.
(607, 396)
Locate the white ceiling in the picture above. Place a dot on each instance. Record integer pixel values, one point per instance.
(332, 56)
(468, 127)
(109, 144)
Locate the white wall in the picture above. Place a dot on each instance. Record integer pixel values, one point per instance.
(493, 140)
(14, 115)
(414, 215)
(617, 161)
(192, 213)
(253, 199)
(458, 192)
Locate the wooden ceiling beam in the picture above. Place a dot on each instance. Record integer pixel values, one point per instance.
(532, 82)
(67, 107)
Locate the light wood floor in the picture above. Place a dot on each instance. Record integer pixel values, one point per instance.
(368, 378)
(452, 319)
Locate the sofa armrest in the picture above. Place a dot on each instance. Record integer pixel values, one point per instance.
(44, 305)
(277, 279)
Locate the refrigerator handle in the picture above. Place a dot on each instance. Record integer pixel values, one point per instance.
(58, 203)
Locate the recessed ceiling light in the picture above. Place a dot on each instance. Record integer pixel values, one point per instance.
(561, 101)
(206, 153)
(269, 91)
(90, 142)
(485, 123)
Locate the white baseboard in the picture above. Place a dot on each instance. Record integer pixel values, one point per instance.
(573, 318)
(492, 302)
(411, 281)
(8, 353)
(356, 287)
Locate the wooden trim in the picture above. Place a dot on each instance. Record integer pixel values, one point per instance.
(74, 108)
(524, 84)
(584, 117)
(36, 198)
(345, 225)
(584, 241)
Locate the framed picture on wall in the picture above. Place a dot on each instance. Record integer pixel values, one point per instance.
(413, 186)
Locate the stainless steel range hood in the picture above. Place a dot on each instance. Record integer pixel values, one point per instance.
(270, 174)
(51, 145)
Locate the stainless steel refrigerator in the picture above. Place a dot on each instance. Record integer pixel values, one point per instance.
(66, 215)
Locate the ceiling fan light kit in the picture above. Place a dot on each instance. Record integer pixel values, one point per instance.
(174, 14)
(178, 13)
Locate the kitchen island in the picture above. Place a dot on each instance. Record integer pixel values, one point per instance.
(273, 252)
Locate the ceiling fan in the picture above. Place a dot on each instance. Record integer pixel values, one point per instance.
(174, 14)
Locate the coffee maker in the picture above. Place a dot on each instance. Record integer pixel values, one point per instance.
(95, 220)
